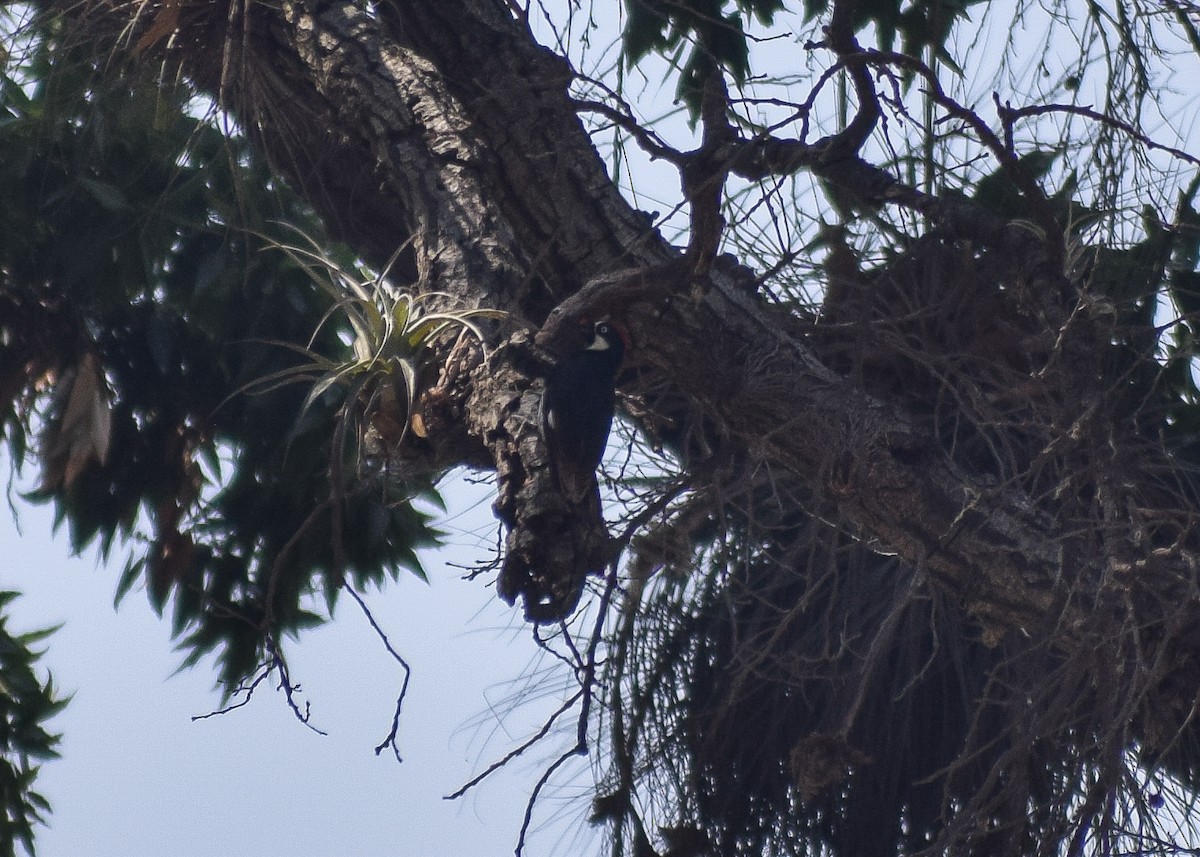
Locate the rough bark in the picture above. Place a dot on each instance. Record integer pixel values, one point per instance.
(446, 126)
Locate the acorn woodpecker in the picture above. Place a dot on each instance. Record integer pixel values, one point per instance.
(577, 409)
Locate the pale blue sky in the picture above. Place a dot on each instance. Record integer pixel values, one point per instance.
(139, 778)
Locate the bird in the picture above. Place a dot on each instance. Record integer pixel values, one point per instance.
(577, 409)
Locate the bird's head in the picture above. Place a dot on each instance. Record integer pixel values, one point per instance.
(607, 336)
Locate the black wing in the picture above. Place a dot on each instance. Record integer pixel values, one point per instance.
(577, 412)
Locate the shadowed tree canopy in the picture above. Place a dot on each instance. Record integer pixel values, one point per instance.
(901, 551)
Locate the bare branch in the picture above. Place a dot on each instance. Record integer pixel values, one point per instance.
(390, 740)
(520, 748)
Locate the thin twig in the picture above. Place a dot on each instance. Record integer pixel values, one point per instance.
(248, 690)
(648, 141)
(517, 751)
(589, 670)
(390, 740)
(290, 690)
(1103, 119)
(537, 789)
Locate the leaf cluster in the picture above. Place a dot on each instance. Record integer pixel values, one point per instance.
(696, 36)
(699, 36)
(26, 703)
(921, 25)
(392, 333)
(1150, 289)
(133, 235)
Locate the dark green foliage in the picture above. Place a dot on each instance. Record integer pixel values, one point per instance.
(1147, 375)
(26, 703)
(700, 36)
(925, 23)
(141, 235)
(710, 37)
(999, 192)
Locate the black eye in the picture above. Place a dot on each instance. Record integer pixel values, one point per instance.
(603, 329)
